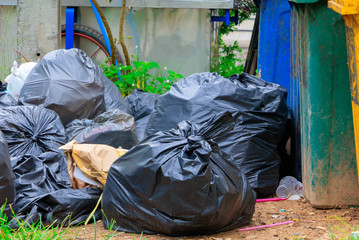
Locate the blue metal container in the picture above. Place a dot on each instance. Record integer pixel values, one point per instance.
(294, 97)
(274, 61)
(274, 42)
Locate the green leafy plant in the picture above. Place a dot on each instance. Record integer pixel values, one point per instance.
(228, 61)
(148, 76)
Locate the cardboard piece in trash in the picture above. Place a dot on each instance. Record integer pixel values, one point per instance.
(94, 160)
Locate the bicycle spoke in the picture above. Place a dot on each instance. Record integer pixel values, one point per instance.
(95, 52)
(90, 41)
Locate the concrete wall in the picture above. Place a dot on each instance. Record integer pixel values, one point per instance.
(8, 39)
(176, 38)
(38, 28)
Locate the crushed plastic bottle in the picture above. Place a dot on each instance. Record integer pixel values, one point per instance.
(290, 188)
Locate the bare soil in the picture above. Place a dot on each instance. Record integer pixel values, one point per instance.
(309, 223)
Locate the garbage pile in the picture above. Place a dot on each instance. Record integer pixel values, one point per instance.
(191, 161)
(15, 81)
(64, 86)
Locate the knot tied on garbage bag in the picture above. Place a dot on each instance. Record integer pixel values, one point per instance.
(218, 125)
(85, 60)
(34, 138)
(195, 141)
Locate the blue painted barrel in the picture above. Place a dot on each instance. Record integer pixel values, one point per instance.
(274, 61)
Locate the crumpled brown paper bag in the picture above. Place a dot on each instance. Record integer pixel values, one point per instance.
(94, 160)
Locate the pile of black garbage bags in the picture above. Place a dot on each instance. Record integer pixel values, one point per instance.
(65, 97)
(198, 157)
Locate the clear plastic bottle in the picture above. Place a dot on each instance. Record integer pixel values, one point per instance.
(289, 187)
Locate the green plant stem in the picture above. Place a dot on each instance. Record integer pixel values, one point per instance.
(93, 211)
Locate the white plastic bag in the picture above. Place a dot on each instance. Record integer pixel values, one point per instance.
(16, 79)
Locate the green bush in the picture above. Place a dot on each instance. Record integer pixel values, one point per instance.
(229, 63)
(148, 76)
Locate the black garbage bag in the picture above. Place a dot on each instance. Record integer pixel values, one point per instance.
(3, 86)
(113, 97)
(114, 128)
(287, 150)
(141, 125)
(141, 105)
(43, 191)
(7, 187)
(7, 100)
(31, 130)
(259, 108)
(179, 183)
(68, 82)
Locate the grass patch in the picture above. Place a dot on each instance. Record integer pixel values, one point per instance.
(32, 231)
(38, 231)
(346, 231)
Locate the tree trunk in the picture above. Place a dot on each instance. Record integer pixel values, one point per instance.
(108, 30)
(122, 42)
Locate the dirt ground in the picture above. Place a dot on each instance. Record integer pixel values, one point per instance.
(309, 223)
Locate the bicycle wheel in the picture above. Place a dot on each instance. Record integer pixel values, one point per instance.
(91, 42)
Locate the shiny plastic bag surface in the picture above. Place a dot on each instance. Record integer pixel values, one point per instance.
(43, 191)
(179, 183)
(7, 188)
(114, 128)
(7, 100)
(141, 105)
(31, 130)
(260, 111)
(68, 82)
